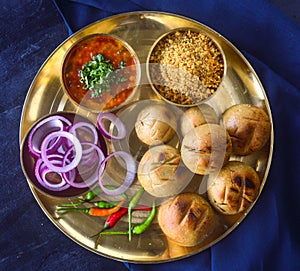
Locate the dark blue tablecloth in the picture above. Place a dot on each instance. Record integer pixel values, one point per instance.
(268, 239)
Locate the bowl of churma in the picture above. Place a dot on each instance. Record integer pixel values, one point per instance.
(185, 66)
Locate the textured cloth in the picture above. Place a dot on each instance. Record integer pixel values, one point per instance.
(268, 239)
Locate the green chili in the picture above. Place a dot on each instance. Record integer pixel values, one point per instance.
(88, 197)
(138, 229)
(104, 204)
(93, 194)
(133, 202)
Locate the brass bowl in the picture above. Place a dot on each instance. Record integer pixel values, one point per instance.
(122, 82)
(186, 66)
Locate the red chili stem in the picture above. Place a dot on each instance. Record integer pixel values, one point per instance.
(142, 208)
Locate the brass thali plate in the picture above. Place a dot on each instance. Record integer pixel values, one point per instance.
(140, 30)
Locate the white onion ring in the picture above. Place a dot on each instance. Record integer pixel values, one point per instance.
(77, 147)
(115, 121)
(130, 175)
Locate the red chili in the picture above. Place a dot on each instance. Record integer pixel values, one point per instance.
(112, 220)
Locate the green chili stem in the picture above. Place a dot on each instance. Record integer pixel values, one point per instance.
(67, 210)
(113, 232)
(71, 204)
(109, 233)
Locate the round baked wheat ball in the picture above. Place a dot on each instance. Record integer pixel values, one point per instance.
(234, 189)
(196, 116)
(161, 171)
(155, 124)
(187, 219)
(206, 148)
(248, 126)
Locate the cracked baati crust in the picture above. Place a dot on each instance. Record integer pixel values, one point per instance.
(248, 126)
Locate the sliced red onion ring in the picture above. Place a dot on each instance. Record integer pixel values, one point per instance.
(56, 157)
(41, 170)
(37, 134)
(68, 156)
(121, 130)
(60, 160)
(76, 145)
(89, 158)
(91, 171)
(85, 127)
(130, 174)
(91, 155)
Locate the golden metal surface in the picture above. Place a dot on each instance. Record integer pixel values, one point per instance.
(140, 30)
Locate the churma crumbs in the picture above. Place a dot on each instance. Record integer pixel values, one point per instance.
(186, 67)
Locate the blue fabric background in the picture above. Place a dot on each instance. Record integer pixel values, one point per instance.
(269, 238)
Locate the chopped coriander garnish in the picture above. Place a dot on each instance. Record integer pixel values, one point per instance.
(122, 65)
(98, 75)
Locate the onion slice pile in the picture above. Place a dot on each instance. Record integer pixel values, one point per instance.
(63, 158)
(69, 154)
